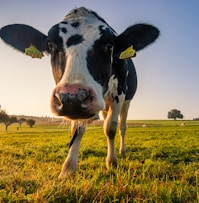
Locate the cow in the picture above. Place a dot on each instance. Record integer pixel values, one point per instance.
(92, 69)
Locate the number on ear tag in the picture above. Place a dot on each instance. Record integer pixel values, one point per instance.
(128, 53)
(33, 52)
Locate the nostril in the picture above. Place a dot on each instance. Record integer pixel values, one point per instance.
(57, 99)
(75, 97)
(63, 97)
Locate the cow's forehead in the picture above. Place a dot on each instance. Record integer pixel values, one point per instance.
(83, 15)
(80, 25)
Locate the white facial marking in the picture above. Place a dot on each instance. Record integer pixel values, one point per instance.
(76, 70)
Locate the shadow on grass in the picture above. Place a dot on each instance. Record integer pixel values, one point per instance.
(93, 152)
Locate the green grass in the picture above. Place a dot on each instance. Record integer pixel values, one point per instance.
(161, 165)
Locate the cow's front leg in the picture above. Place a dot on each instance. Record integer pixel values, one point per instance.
(110, 131)
(71, 163)
(110, 128)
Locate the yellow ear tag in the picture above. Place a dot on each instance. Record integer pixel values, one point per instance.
(33, 52)
(128, 53)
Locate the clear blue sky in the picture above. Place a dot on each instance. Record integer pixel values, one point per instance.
(168, 71)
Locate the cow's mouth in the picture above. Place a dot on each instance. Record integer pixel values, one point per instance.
(74, 102)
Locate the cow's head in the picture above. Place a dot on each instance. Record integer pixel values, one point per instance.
(82, 48)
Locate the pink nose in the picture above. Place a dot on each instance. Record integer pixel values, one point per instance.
(73, 101)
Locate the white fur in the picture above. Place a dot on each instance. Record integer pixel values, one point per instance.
(112, 89)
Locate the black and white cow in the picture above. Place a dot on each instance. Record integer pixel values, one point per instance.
(89, 73)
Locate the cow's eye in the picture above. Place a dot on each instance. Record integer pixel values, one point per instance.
(109, 48)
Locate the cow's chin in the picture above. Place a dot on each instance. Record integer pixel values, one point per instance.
(74, 112)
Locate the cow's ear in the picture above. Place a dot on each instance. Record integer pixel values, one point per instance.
(137, 36)
(24, 38)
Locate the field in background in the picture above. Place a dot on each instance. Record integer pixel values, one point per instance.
(161, 164)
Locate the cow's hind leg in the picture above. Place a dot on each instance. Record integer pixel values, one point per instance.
(71, 163)
(122, 126)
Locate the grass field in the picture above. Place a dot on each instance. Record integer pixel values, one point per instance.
(161, 164)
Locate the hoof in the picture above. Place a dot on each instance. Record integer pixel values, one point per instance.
(65, 174)
(111, 163)
(68, 169)
(122, 152)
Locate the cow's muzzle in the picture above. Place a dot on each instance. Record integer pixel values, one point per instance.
(74, 101)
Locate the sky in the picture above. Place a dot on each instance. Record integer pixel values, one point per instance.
(168, 70)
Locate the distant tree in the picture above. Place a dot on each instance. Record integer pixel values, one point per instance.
(174, 114)
(30, 122)
(6, 119)
(3, 115)
(21, 120)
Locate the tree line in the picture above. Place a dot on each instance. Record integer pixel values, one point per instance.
(7, 120)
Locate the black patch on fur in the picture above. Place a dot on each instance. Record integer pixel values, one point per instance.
(58, 58)
(64, 30)
(75, 24)
(74, 40)
(117, 99)
(53, 35)
(106, 30)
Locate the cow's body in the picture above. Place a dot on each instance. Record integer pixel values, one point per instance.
(89, 75)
